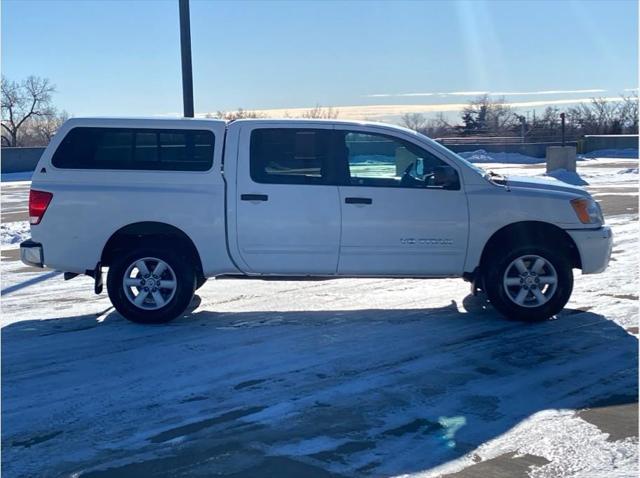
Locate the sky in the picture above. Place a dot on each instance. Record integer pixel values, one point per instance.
(122, 58)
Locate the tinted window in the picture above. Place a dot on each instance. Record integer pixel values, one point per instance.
(114, 147)
(380, 160)
(146, 147)
(290, 156)
(173, 146)
(140, 149)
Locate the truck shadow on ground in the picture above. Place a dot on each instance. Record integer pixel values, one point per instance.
(323, 393)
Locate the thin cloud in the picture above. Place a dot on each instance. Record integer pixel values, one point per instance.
(416, 94)
(390, 95)
(467, 93)
(385, 112)
(547, 92)
(492, 93)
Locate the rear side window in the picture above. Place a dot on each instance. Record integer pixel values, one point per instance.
(137, 149)
(290, 155)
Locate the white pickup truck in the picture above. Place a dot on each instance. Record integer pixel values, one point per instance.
(165, 204)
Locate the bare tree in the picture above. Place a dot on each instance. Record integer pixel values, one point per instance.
(21, 102)
(629, 113)
(240, 113)
(321, 113)
(603, 116)
(583, 118)
(40, 131)
(414, 121)
(484, 115)
(438, 127)
(545, 127)
(606, 113)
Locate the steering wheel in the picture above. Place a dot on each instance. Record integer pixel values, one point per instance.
(408, 180)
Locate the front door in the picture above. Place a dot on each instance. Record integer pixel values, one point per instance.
(403, 209)
(287, 213)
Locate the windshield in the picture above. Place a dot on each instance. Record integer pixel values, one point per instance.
(473, 166)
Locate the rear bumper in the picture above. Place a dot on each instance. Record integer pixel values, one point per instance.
(595, 248)
(31, 253)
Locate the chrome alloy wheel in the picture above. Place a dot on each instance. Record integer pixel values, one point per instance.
(149, 283)
(530, 281)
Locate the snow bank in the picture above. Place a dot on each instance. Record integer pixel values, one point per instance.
(570, 177)
(613, 153)
(482, 156)
(13, 233)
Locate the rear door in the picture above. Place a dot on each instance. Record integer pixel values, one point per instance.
(287, 215)
(404, 211)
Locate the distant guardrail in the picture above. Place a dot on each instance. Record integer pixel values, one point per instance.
(18, 160)
(536, 150)
(593, 142)
(456, 140)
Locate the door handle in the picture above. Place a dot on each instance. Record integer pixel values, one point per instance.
(254, 197)
(358, 200)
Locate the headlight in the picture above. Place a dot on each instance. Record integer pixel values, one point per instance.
(588, 211)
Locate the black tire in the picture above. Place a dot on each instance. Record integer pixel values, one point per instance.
(500, 295)
(200, 281)
(179, 268)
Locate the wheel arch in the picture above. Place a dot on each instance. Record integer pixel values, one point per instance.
(536, 232)
(163, 235)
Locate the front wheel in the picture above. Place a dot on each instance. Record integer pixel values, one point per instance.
(530, 283)
(151, 285)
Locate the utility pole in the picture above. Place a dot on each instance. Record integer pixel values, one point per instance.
(185, 49)
(523, 127)
(562, 119)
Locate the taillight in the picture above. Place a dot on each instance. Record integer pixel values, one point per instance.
(38, 204)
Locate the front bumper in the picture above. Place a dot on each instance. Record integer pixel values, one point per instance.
(31, 253)
(595, 248)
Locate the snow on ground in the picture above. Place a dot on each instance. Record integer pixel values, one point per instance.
(15, 196)
(628, 171)
(356, 377)
(545, 435)
(629, 153)
(13, 233)
(482, 156)
(608, 174)
(570, 177)
(605, 172)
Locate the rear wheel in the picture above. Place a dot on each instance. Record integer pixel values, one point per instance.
(530, 283)
(151, 285)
